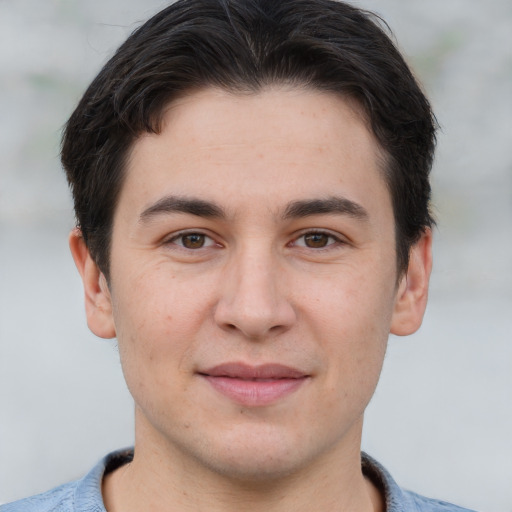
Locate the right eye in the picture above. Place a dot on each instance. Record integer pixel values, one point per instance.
(191, 240)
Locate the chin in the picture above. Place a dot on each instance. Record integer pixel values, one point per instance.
(261, 455)
(261, 466)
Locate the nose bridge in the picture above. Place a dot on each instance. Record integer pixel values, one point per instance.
(253, 299)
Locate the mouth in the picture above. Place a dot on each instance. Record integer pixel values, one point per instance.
(254, 386)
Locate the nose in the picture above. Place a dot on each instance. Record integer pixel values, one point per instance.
(254, 297)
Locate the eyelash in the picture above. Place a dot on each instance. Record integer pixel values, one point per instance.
(175, 238)
(334, 240)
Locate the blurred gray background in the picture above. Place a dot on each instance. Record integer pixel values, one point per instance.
(441, 420)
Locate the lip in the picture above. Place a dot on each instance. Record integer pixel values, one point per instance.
(254, 386)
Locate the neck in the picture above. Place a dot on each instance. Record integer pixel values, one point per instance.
(167, 481)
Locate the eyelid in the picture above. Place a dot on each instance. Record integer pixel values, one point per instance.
(337, 237)
(171, 239)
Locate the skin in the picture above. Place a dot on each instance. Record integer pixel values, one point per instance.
(315, 290)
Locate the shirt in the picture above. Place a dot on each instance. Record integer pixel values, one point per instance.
(84, 495)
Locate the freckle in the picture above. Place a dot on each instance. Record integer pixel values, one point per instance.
(260, 155)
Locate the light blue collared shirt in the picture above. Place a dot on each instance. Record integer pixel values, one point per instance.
(84, 495)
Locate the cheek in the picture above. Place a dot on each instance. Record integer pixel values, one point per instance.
(157, 321)
(352, 305)
(350, 318)
(157, 304)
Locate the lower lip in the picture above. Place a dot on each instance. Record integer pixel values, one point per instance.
(254, 393)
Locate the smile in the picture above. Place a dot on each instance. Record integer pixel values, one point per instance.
(254, 386)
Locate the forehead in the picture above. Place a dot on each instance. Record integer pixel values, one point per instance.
(277, 145)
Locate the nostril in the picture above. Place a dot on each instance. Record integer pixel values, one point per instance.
(254, 309)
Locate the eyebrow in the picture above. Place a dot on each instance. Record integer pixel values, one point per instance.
(295, 209)
(176, 204)
(339, 205)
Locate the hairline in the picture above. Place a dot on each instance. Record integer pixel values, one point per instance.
(384, 159)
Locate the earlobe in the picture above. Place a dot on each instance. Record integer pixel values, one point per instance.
(411, 299)
(98, 302)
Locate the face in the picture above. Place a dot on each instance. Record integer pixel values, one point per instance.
(253, 280)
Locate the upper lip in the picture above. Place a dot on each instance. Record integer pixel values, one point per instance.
(251, 372)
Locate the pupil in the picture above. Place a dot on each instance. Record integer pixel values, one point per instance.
(316, 240)
(193, 241)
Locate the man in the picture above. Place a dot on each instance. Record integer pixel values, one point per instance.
(251, 187)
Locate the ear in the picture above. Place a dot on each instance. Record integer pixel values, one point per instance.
(98, 301)
(411, 299)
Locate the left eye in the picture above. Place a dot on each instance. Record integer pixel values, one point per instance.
(192, 240)
(316, 240)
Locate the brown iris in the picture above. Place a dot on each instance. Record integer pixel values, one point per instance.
(316, 240)
(193, 240)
